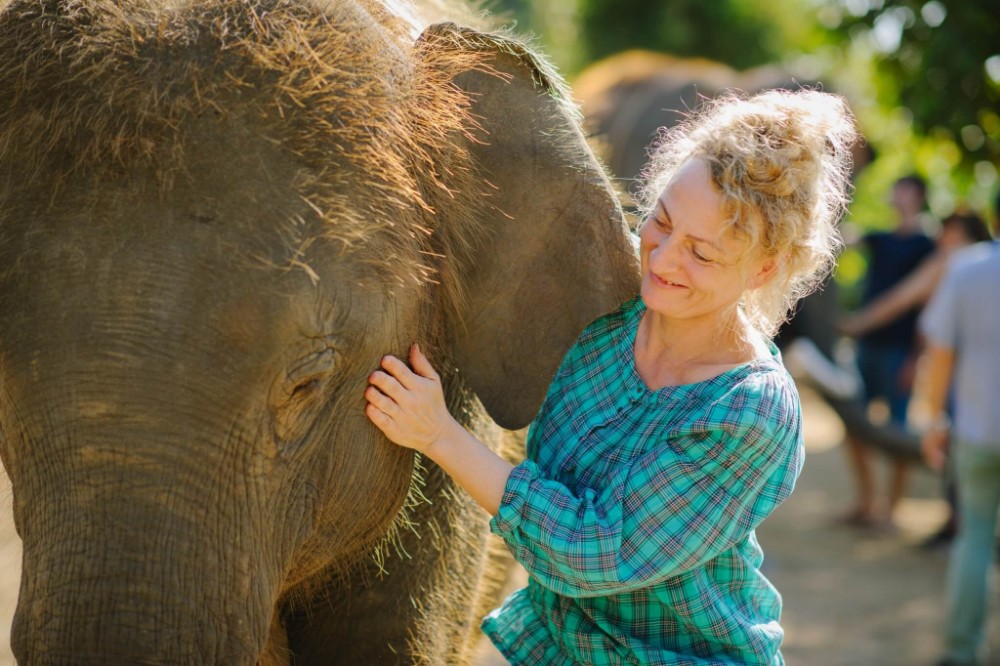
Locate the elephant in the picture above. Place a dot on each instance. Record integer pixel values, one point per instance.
(626, 98)
(215, 219)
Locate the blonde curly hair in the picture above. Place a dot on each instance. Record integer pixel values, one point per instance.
(782, 162)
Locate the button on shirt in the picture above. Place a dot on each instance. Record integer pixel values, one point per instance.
(635, 511)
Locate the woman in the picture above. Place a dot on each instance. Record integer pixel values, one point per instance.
(671, 429)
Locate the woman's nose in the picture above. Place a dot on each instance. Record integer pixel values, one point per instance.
(663, 253)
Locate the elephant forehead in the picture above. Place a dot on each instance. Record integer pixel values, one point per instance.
(101, 93)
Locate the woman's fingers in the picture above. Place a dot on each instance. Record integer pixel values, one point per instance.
(399, 371)
(407, 406)
(377, 416)
(388, 384)
(381, 401)
(382, 421)
(420, 363)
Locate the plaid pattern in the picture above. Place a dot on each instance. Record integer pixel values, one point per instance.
(635, 512)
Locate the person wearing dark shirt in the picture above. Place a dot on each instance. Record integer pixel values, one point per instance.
(885, 354)
(893, 256)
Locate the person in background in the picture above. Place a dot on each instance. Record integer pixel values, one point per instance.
(885, 354)
(671, 429)
(958, 230)
(960, 327)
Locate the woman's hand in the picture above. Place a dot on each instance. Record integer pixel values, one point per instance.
(408, 406)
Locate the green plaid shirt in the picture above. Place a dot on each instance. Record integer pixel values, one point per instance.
(635, 512)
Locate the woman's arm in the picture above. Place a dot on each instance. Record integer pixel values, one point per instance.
(409, 408)
(914, 290)
(665, 512)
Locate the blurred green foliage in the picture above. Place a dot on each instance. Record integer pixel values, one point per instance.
(939, 59)
(729, 31)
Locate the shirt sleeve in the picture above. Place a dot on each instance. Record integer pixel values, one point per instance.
(938, 320)
(669, 510)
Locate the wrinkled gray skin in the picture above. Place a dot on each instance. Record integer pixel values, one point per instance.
(627, 98)
(194, 478)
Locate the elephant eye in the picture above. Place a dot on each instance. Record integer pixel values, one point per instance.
(313, 366)
(310, 375)
(297, 397)
(306, 388)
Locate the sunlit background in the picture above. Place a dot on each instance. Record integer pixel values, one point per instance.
(923, 77)
(924, 81)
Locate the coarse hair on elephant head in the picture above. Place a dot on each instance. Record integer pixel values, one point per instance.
(215, 218)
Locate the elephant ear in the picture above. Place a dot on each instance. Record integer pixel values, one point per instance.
(554, 253)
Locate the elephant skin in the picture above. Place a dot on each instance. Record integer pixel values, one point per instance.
(215, 218)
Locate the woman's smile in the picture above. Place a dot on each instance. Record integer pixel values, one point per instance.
(663, 283)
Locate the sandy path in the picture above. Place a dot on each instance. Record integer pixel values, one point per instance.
(850, 599)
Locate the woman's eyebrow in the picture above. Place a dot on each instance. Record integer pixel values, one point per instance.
(662, 207)
(712, 244)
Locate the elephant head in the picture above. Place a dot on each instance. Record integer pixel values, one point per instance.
(215, 218)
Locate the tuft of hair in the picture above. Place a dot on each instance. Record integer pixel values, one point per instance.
(97, 90)
(782, 162)
(359, 93)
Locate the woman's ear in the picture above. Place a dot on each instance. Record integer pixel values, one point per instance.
(554, 253)
(763, 271)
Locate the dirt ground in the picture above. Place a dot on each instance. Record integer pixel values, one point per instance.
(851, 599)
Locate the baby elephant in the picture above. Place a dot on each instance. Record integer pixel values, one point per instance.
(215, 219)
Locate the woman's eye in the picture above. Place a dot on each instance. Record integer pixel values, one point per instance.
(699, 257)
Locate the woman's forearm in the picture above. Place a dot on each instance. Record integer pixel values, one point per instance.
(474, 466)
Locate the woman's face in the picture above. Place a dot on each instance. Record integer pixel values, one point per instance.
(691, 262)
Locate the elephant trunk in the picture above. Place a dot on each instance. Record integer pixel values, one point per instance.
(133, 565)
